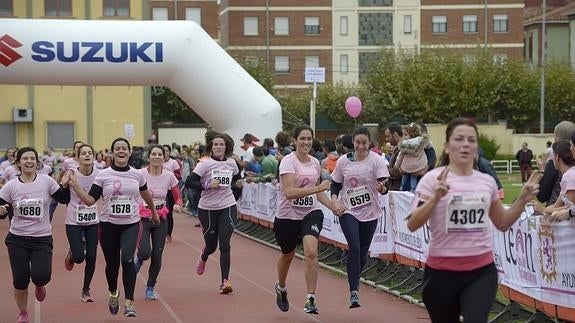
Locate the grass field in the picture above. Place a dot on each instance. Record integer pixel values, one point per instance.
(511, 186)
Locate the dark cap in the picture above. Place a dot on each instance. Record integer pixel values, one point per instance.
(249, 138)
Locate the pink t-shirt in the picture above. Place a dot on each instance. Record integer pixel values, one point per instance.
(222, 196)
(10, 173)
(159, 186)
(46, 170)
(69, 163)
(5, 164)
(171, 165)
(77, 212)
(359, 179)
(100, 164)
(31, 204)
(120, 194)
(567, 184)
(305, 175)
(460, 223)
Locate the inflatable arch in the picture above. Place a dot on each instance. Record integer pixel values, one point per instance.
(177, 54)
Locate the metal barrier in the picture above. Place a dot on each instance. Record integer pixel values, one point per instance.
(510, 166)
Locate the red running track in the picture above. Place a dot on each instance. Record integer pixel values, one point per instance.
(186, 297)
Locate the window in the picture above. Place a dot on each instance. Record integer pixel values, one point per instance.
(407, 24)
(116, 8)
(311, 61)
(160, 13)
(375, 3)
(60, 135)
(344, 64)
(281, 26)
(194, 14)
(500, 24)
(282, 64)
(6, 8)
(250, 26)
(470, 24)
(56, 8)
(439, 24)
(311, 26)
(8, 138)
(343, 25)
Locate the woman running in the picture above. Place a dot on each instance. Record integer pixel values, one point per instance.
(217, 207)
(460, 203)
(173, 166)
(120, 187)
(299, 217)
(160, 181)
(359, 177)
(29, 240)
(82, 221)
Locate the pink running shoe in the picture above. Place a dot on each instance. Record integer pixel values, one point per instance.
(23, 318)
(40, 293)
(226, 287)
(200, 266)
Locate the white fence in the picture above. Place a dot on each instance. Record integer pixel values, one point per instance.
(510, 166)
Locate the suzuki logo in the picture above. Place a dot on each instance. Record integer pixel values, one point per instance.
(7, 54)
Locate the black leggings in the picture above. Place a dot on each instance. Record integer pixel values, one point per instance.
(358, 235)
(449, 294)
(170, 215)
(30, 258)
(74, 234)
(118, 243)
(157, 233)
(218, 226)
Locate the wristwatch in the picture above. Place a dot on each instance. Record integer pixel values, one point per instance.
(571, 215)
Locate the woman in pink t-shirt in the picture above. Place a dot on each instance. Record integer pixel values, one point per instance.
(120, 187)
(299, 217)
(173, 166)
(357, 180)
(29, 240)
(460, 204)
(564, 161)
(160, 182)
(82, 221)
(217, 211)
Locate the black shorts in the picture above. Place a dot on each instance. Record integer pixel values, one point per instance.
(291, 232)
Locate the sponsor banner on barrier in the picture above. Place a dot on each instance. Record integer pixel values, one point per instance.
(532, 257)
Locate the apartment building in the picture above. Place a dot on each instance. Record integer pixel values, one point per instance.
(465, 25)
(202, 12)
(289, 35)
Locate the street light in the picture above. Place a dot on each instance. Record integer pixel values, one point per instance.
(543, 50)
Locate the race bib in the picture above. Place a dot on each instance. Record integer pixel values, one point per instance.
(359, 197)
(31, 209)
(467, 213)
(304, 202)
(121, 206)
(223, 176)
(86, 215)
(158, 204)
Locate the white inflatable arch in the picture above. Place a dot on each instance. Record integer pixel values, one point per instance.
(177, 54)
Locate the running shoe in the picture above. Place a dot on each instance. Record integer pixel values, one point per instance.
(113, 303)
(40, 293)
(138, 263)
(226, 287)
(200, 266)
(151, 293)
(23, 317)
(86, 298)
(354, 300)
(310, 306)
(68, 263)
(129, 309)
(281, 298)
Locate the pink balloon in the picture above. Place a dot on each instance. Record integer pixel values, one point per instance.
(353, 106)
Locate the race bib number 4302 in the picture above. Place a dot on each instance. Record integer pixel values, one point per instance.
(467, 213)
(31, 209)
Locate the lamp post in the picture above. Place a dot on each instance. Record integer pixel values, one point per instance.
(543, 51)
